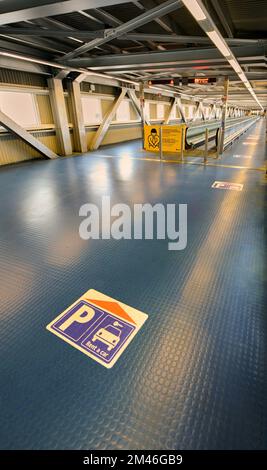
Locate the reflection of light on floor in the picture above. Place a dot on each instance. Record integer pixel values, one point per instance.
(99, 177)
(250, 143)
(201, 284)
(211, 250)
(40, 204)
(126, 168)
(66, 250)
(170, 175)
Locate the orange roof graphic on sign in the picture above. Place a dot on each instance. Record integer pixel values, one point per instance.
(112, 307)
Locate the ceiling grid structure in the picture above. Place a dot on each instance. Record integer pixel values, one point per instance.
(144, 40)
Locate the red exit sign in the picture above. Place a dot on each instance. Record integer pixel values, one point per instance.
(202, 80)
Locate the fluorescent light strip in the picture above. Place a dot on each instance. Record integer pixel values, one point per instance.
(219, 43)
(58, 66)
(235, 65)
(242, 77)
(29, 59)
(195, 9)
(75, 39)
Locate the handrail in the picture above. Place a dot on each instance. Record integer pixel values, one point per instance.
(195, 135)
(232, 132)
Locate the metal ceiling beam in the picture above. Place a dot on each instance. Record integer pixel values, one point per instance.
(162, 38)
(40, 32)
(58, 25)
(160, 10)
(50, 23)
(180, 39)
(90, 17)
(39, 43)
(182, 56)
(14, 64)
(58, 8)
(222, 18)
(23, 48)
(107, 18)
(163, 23)
(156, 20)
(114, 22)
(168, 21)
(176, 73)
(231, 93)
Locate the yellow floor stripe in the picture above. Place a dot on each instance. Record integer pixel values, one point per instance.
(157, 160)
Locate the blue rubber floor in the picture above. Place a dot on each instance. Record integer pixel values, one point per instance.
(195, 376)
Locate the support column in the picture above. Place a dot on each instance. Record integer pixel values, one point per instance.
(170, 110)
(224, 114)
(137, 105)
(79, 134)
(202, 111)
(213, 112)
(198, 108)
(142, 108)
(181, 110)
(60, 115)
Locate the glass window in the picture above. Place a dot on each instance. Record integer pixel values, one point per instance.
(92, 111)
(147, 110)
(173, 113)
(20, 107)
(160, 111)
(123, 112)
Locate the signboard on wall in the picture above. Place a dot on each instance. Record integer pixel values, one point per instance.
(171, 138)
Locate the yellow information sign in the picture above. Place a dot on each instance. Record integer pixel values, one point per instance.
(171, 138)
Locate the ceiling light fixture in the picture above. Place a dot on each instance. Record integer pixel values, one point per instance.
(235, 65)
(195, 9)
(219, 43)
(31, 59)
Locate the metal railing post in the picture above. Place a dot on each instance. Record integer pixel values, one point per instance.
(206, 145)
(160, 143)
(224, 114)
(218, 144)
(182, 145)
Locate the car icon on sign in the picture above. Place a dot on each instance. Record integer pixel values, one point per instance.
(109, 335)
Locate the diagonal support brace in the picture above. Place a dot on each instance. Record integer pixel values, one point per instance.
(103, 128)
(28, 138)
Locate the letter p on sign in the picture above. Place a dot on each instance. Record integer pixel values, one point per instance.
(82, 315)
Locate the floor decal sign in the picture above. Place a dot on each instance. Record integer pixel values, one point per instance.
(227, 185)
(98, 326)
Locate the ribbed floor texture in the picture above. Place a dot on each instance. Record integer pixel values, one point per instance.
(195, 376)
